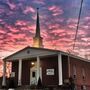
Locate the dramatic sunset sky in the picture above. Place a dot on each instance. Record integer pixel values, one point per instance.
(58, 20)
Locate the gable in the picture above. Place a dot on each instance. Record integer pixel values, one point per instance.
(29, 53)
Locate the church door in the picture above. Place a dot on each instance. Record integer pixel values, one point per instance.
(33, 76)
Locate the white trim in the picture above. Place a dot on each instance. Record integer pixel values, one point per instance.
(19, 72)
(60, 69)
(38, 68)
(4, 74)
(41, 73)
(33, 80)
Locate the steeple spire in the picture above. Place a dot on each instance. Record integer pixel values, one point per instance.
(37, 40)
(37, 25)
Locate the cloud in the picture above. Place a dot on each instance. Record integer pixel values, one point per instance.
(2, 31)
(21, 23)
(39, 2)
(72, 23)
(17, 36)
(56, 10)
(11, 5)
(29, 9)
(25, 26)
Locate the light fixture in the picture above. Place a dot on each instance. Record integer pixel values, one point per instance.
(32, 63)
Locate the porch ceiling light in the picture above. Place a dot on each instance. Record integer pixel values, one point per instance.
(32, 63)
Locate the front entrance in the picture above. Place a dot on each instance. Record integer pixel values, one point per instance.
(34, 74)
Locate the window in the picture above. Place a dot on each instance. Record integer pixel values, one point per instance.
(33, 74)
(83, 73)
(74, 71)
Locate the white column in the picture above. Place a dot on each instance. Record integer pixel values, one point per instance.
(19, 72)
(4, 74)
(60, 69)
(38, 67)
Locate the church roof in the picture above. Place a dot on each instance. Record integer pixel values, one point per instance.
(30, 52)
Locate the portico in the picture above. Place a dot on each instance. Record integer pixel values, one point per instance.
(20, 70)
(23, 60)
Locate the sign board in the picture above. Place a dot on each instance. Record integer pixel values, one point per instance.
(12, 74)
(49, 71)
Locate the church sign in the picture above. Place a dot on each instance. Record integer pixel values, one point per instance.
(49, 71)
(12, 74)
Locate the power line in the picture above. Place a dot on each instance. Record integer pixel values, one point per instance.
(78, 24)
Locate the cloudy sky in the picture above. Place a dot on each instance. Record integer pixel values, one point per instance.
(58, 21)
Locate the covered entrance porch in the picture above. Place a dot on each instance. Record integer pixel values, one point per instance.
(26, 71)
(30, 63)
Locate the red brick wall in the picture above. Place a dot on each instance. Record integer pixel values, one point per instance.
(65, 72)
(15, 69)
(79, 77)
(49, 63)
(26, 72)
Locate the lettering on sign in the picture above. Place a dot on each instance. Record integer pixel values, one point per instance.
(49, 71)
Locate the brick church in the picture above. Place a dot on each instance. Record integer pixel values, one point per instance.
(53, 67)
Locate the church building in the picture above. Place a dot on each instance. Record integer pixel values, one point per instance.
(53, 67)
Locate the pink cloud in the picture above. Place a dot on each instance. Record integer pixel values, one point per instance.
(57, 31)
(60, 36)
(11, 5)
(86, 19)
(66, 36)
(39, 2)
(56, 10)
(72, 23)
(25, 26)
(2, 31)
(30, 28)
(17, 36)
(29, 9)
(54, 26)
(12, 29)
(2, 21)
(83, 27)
(21, 23)
(44, 34)
(1, 10)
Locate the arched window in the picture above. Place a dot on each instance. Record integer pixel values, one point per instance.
(74, 71)
(83, 73)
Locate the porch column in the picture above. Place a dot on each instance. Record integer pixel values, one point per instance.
(38, 68)
(4, 74)
(19, 72)
(60, 69)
